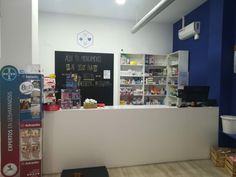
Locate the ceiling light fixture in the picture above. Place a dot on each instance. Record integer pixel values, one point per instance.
(150, 15)
(120, 2)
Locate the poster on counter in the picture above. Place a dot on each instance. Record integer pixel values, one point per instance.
(21, 126)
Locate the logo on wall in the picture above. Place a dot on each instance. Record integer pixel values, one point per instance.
(85, 39)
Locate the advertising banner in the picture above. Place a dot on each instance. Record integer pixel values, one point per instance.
(21, 123)
(30, 124)
(10, 118)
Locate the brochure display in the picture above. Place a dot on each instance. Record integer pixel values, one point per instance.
(21, 123)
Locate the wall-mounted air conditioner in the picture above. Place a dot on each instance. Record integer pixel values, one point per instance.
(191, 30)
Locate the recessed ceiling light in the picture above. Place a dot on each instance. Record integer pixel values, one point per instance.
(120, 2)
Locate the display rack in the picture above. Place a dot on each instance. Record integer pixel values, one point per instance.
(155, 79)
(131, 79)
(152, 79)
(177, 75)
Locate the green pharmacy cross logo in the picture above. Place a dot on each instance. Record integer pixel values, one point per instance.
(9, 73)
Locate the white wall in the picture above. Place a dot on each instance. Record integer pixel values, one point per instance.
(0, 41)
(35, 40)
(0, 34)
(17, 32)
(59, 32)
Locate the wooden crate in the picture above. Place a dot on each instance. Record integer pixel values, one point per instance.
(218, 155)
(230, 164)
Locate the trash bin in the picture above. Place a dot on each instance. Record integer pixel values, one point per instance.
(229, 124)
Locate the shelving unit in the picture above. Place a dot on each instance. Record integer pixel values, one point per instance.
(155, 79)
(177, 76)
(131, 79)
(152, 79)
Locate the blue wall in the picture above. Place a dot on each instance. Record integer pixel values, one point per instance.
(198, 49)
(234, 75)
(211, 57)
(215, 47)
(227, 57)
(226, 83)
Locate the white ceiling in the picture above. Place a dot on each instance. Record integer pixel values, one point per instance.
(132, 10)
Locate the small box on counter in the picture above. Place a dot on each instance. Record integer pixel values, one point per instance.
(70, 99)
(90, 104)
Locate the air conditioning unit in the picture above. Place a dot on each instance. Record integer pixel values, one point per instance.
(191, 30)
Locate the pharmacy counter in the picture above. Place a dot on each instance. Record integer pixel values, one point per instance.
(125, 136)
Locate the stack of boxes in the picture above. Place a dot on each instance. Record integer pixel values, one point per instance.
(218, 155)
(225, 158)
(230, 165)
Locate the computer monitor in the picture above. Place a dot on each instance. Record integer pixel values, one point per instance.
(194, 94)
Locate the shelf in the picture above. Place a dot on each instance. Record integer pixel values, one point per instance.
(173, 76)
(155, 95)
(131, 65)
(130, 76)
(174, 54)
(173, 96)
(174, 65)
(131, 84)
(171, 85)
(162, 85)
(161, 66)
(156, 76)
(130, 95)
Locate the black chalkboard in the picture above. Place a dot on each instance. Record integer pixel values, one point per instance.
(92, 72)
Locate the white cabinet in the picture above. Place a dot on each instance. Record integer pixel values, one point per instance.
(155, 79)
(177, 75)
(152, 79)
(131, 79)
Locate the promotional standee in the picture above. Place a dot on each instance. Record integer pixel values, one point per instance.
(21, 123)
